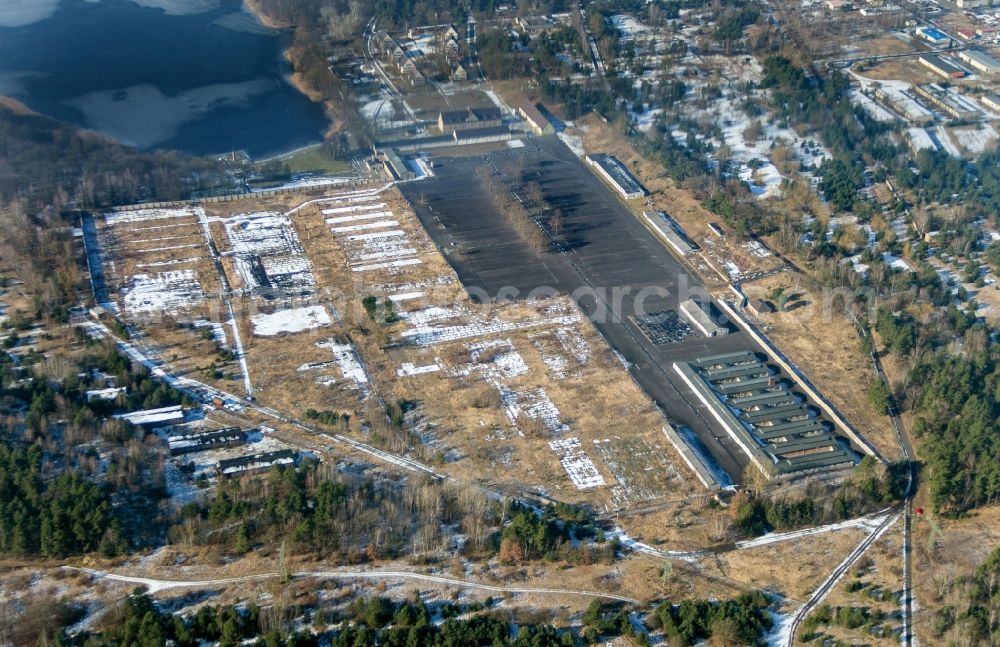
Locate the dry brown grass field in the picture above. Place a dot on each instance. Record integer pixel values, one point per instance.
(522, 395)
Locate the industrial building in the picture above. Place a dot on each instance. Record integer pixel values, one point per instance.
(203, 440)
(932, 35)
(538, 122)
(948, 101)
(701, 318)
(255, 462)
(154, 418)
(775, 426)
(615, 174)
(880, 10)
(667, 229)
(904, 105)
(395, 167)
(941, 66)
(980, 61)
(991, 101)
(449, 122)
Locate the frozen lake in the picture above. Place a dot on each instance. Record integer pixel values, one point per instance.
(203, 76)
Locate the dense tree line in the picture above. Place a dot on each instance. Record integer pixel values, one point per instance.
(366, 623)
(498, 56)
(44, 162)
(549, 536)
(513, 210)
(56, 496)
(871, 487)
(139, 623)
(815, 104)
(478, 629)
(957, 409)
(314, 508)
(734, 19)
(898, 332)
(846, 617)
(741, 621)
(66, 516)
(840, 182)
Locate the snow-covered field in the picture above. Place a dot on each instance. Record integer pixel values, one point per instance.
(975, 140)
(290, 321)
(920, 139)
(346, 359)
(580, 468)
(533, 404)
(142, 215)
(162, 292)
(556, 363)
(267, 252)
(427, 335)
(368, 231)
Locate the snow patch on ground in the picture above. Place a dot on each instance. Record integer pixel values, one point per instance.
(406, 369)
(142, 215)
(573, 142)
(267, 251)
(348, 362)
(290, 321)
(162, 292)
(427, 335)
(533, 404)
(580, 468)
(975, 140)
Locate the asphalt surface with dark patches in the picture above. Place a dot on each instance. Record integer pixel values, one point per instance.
(610, 264)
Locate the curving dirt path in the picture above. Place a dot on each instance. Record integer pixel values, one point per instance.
(154, 585)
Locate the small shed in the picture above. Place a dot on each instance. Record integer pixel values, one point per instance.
(759, 307)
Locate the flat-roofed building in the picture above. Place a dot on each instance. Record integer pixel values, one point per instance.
(203, 440)
(617, 175)
(758, 308)
(932, 35)
(948, 101)
(701, 319)
(154, 418)
(980, 61)
(941, 66)
(778, 428)
(234, 466)
(991, 101)
(902, 103)
(668, 230)
(533, 25)
(395, 167)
